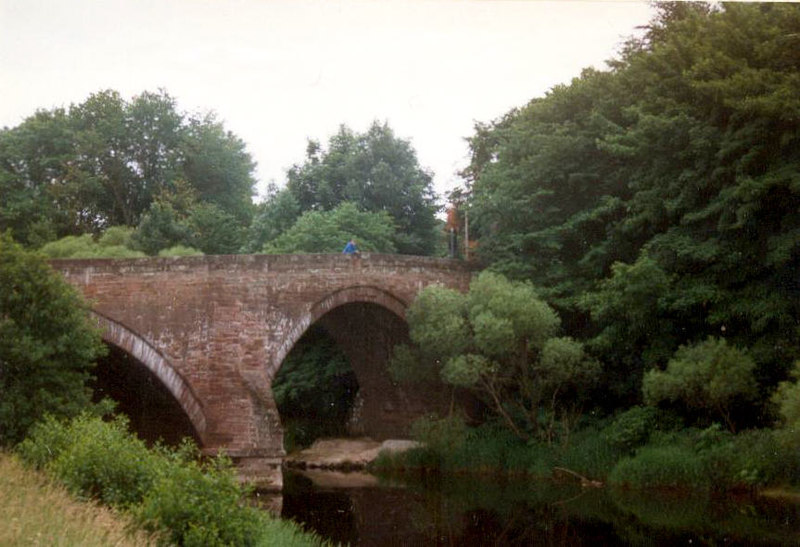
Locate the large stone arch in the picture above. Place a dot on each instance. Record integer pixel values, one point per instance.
(366, 294)
(127, 340)
(366, 322)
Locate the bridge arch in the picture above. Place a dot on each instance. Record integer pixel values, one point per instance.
(366, 322)
(122, 337)
(357, 294)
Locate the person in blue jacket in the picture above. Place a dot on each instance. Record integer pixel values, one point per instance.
(351, 248)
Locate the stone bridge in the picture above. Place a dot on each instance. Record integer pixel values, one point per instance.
(214, 330)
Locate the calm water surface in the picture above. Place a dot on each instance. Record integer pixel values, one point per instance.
(471, 511)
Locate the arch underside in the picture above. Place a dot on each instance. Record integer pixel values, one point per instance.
(366, 324)
(119, 336)
(350, 295)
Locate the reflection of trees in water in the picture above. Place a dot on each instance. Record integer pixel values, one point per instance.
(474, 511)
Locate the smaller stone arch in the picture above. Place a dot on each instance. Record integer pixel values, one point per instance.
(357, 294)
(117, 334)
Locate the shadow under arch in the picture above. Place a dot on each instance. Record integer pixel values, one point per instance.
(366, 323)
(118, 335)
(358, 294)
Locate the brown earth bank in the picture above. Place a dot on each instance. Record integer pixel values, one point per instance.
(345, 454)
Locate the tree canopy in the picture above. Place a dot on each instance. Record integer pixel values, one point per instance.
(328, 231)
(499, 341)
(81, 169)
(658, 203)
(378, 172)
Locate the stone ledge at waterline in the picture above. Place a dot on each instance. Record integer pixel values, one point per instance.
(345, 454)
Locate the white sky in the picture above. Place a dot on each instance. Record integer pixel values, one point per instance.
(278, 72)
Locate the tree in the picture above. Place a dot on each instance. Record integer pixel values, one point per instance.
(499, 341)
(676, 171)
(710, 376)
(220, 169)
(161, 227)
(328, 231)
(378, 172)
(214, 230)
(273, 217)
(104, 161)
(47, 344)
(33, 157)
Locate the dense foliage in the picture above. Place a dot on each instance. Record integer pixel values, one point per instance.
(378, 172)
(103, 162)
(172, 492)
(314, 390)
(328, 231)
(658, 203)
(498, 341)
(47, 343)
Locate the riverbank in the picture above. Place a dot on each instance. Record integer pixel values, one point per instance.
(35, 511)
(346, 454)
(613, 453)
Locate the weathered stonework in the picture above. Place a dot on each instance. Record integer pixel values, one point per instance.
(216, 329)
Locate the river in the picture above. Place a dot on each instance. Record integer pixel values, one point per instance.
(465, 510)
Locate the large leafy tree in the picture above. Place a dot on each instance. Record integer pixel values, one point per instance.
(378, 172)
(681, 164)
(47, 344)
(499, 341)
(103, 162)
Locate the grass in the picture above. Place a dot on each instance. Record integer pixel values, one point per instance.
(36, 511)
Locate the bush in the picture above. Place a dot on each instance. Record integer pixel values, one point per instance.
(590, 453)
(442, 435)
(84, 246)
(117, 236)
(167, 490)
(200, 506)
(710, 376)
(48, 345)
(94, 459)
(631, 429)
(179, 250)
(673, 466)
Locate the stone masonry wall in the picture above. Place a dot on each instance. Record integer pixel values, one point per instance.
(217, 328)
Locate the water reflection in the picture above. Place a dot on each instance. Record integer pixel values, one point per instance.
(470, 511)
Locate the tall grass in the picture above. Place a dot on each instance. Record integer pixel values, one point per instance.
(631, 450)
(36, 511)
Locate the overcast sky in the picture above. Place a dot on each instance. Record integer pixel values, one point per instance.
(278, 72)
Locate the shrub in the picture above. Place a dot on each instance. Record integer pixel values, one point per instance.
(442, 435)
(759, 458)
(167, 490)
(710, 376)
(94, 459)
(117, 236)
(673, 466)
(48, 345)
(84, 246)
(631, 429)
(200, 506)
(590, 453)
(787, 397)
(179, 250)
